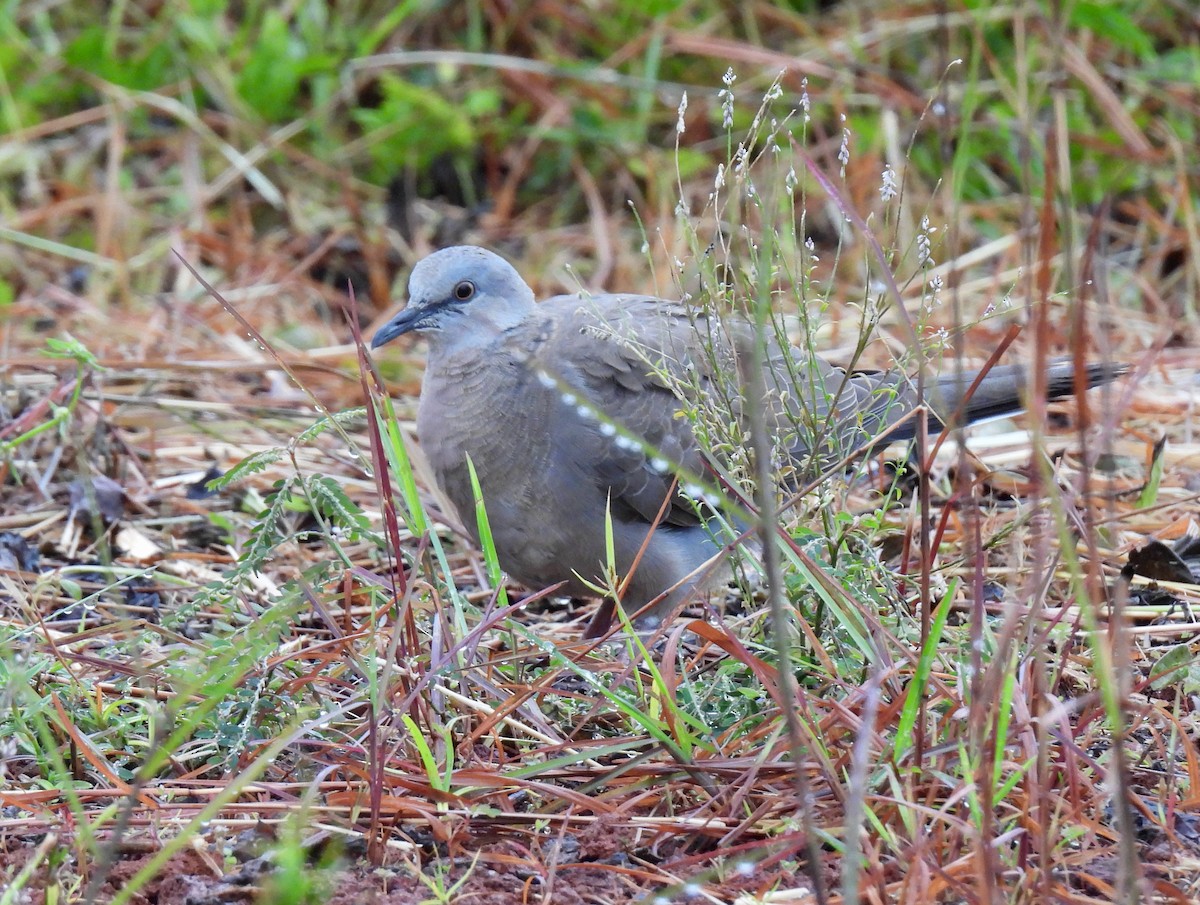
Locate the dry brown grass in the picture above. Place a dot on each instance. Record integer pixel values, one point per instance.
(336, 697)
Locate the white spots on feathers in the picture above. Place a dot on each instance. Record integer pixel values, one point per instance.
(585, 411)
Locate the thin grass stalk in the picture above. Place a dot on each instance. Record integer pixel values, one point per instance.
(965, 496)
(1113, 662)
(855, 848)
(765, 500)
(405, 625)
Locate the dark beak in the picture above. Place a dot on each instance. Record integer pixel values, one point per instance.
(406, 321)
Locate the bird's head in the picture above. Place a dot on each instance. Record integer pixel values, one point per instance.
(460, 294)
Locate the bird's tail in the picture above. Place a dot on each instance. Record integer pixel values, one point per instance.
(1004, 390)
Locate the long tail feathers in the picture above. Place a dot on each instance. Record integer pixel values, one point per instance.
(1003, 389)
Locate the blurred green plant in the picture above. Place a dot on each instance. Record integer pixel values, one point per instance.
(414, 124)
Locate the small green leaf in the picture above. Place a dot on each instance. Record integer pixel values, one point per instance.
(1169, 669)
(252, 464)
(486, 542)
(70, 348)
(271, 77)
(1149, 495)
(142, 67)
(1110, 22)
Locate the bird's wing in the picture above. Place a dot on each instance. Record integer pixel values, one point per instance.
(627, 358)
(644, 361)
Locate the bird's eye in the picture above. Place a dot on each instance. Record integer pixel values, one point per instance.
(464, 290)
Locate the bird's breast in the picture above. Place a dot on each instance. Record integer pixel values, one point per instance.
(499, 423)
